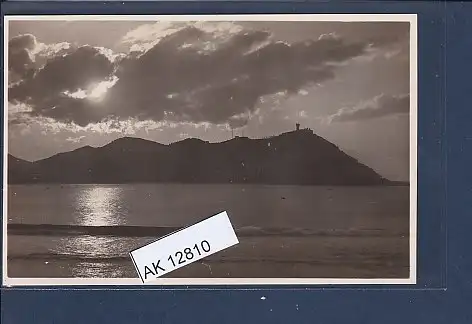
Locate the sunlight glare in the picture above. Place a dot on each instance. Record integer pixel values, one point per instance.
(98, 91)
(99, 206)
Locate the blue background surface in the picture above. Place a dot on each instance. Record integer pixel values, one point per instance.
(444, 290)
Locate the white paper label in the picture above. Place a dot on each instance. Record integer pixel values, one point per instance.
(183, 247)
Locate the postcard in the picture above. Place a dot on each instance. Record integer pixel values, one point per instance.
(122, 129)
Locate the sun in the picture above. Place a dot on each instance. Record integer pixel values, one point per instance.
(97, 91)
(94, 92)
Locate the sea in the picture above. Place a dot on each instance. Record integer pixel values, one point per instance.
(87, 231)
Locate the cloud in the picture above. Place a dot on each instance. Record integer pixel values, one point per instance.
(77, 139)
(18, 114)
(379, 106)
(20, 59)
(146, 36)
(64, 73)
(196, 72)
(26, 55)
(188, 76)
(48, 90)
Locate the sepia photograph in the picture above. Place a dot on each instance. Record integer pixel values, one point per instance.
(119, 130)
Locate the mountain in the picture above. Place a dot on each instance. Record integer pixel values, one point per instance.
(19, 170)
(298, 157)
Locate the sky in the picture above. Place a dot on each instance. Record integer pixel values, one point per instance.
(77, 83)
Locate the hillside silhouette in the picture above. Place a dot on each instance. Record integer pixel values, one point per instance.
(297, 158)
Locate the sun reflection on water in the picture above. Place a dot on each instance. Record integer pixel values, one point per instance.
(100, 206)
(96, 206)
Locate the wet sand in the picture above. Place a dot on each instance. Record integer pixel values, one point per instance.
(253, 257)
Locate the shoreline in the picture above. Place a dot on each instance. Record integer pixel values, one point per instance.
(253, 257)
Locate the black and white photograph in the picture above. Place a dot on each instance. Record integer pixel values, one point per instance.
(119, 130)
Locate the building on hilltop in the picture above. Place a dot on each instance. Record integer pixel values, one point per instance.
(298, 129)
